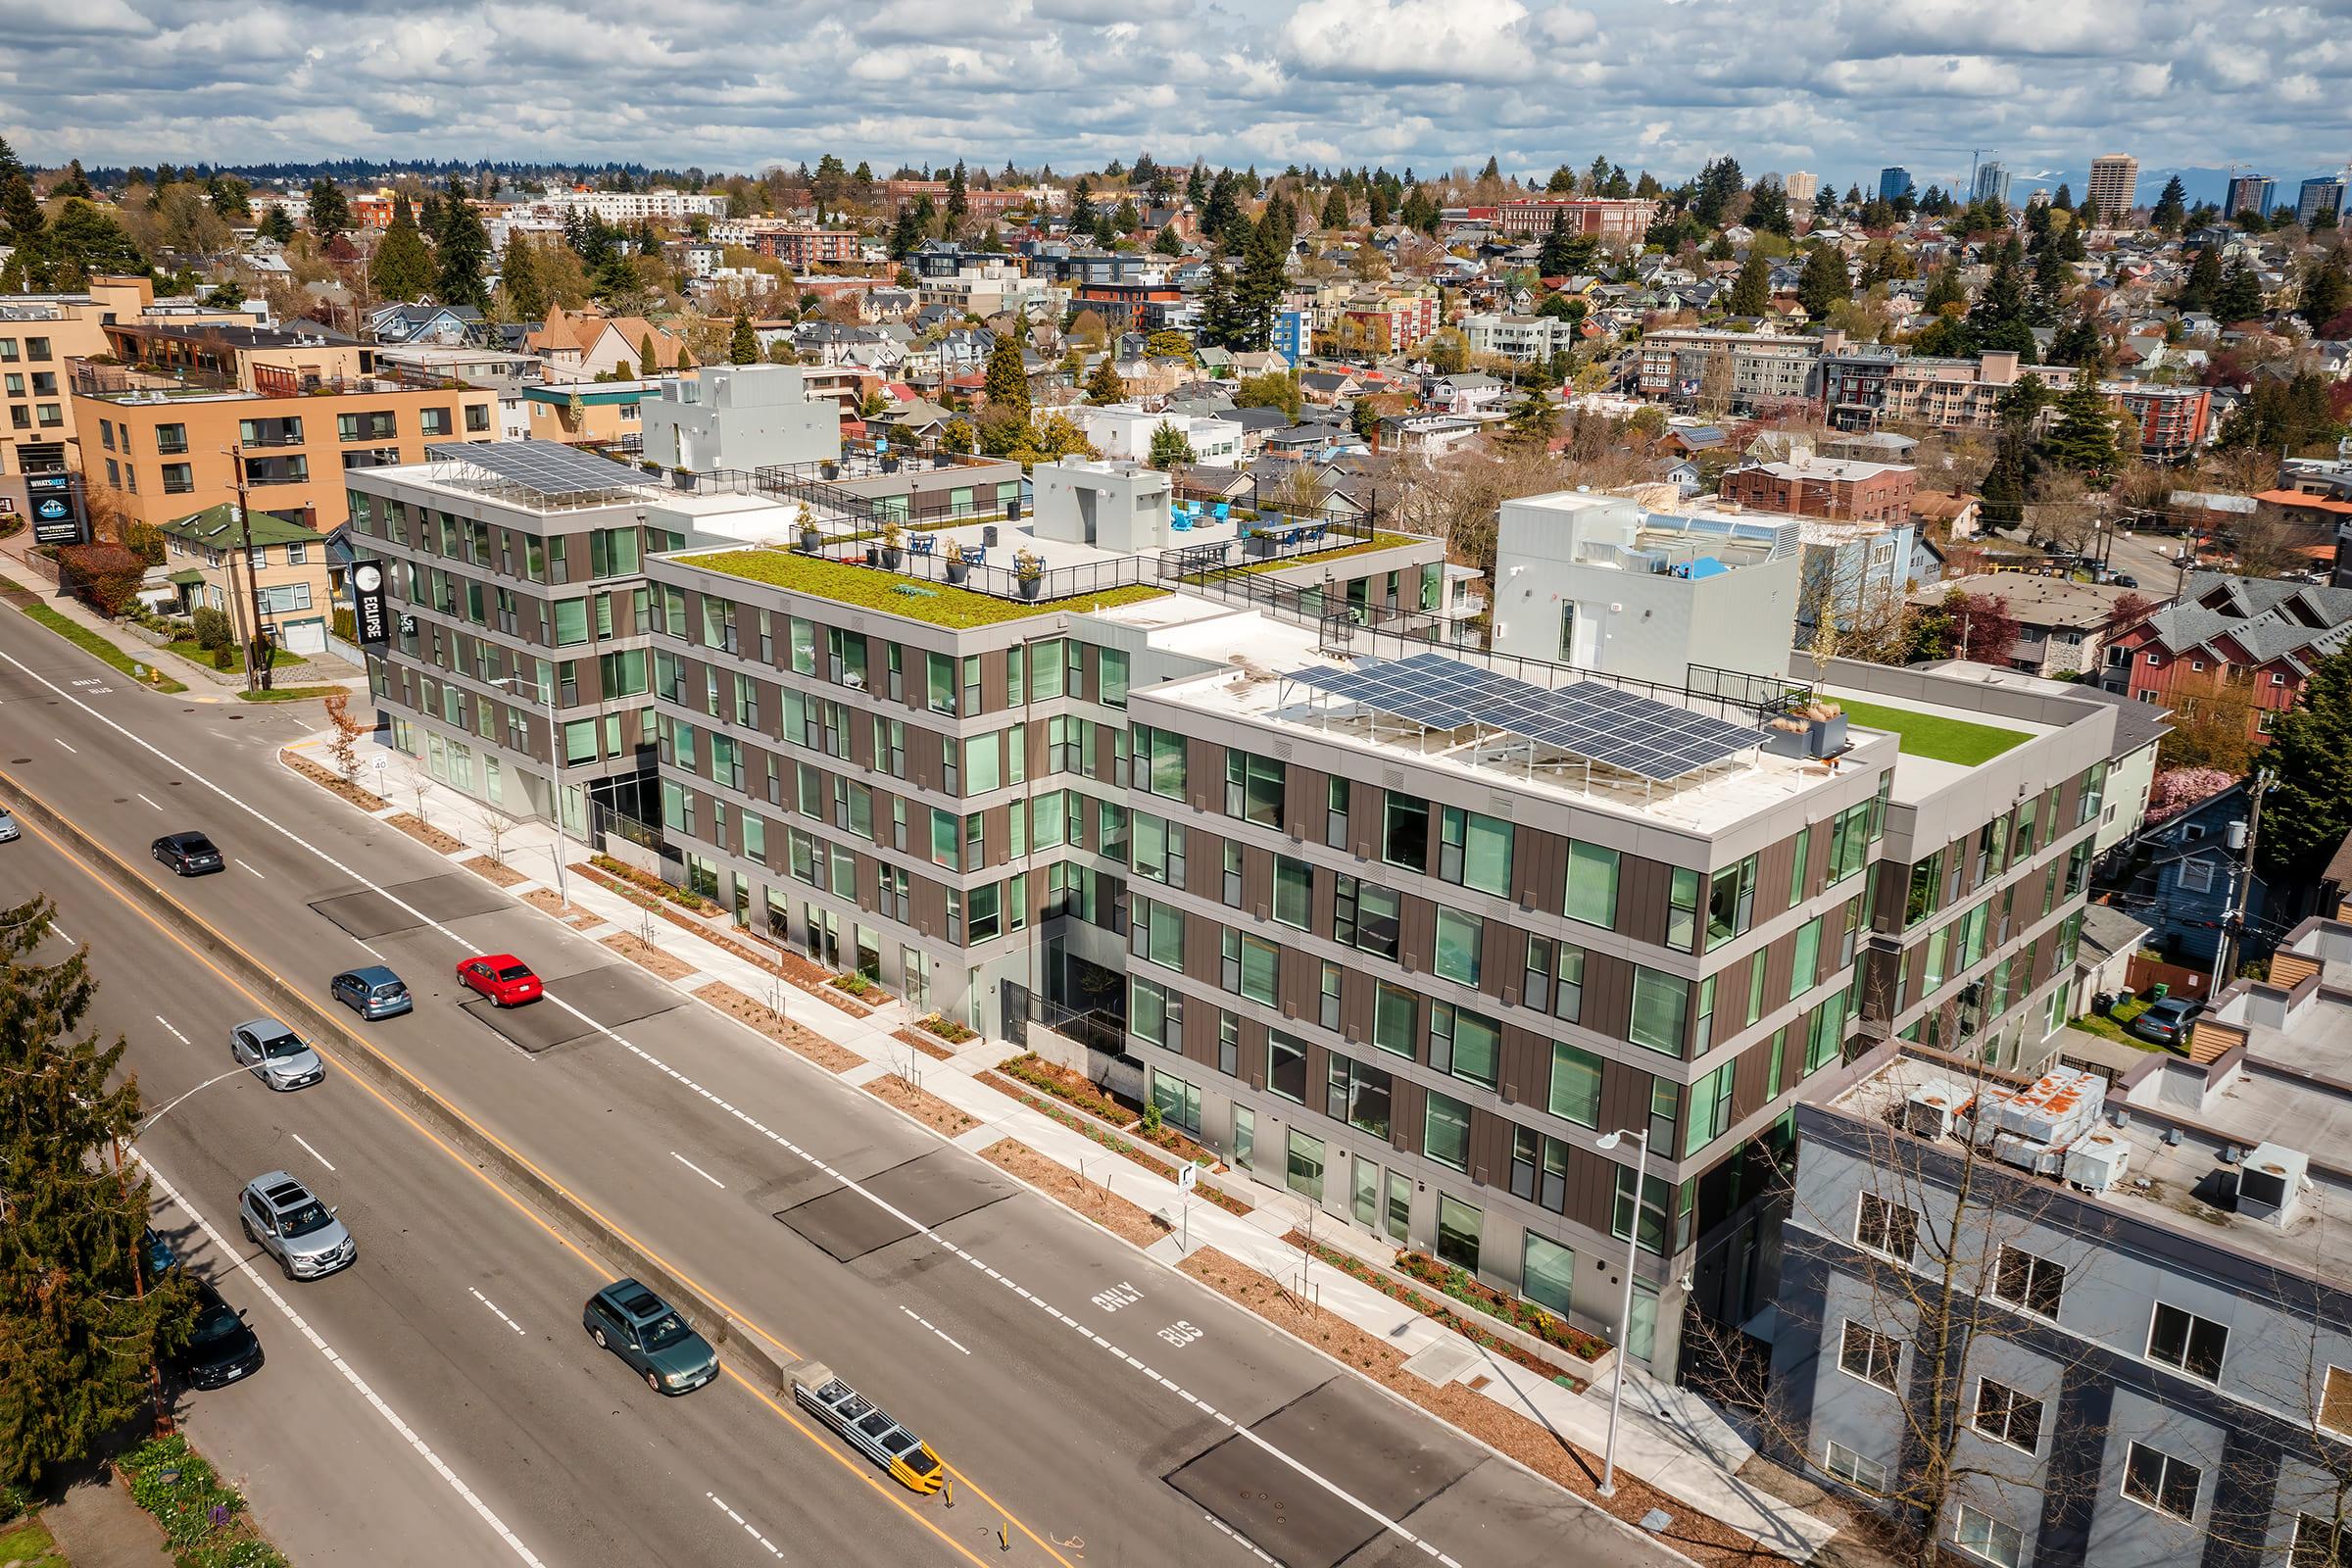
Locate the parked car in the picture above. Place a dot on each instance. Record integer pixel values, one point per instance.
(222, 1349)
(651, 1336)
(373, 993)
(160, 1260)
(8, 831)
(278, 1214)
(504, 978)
(276, 1054)
(189, 854)
(2166, 1023)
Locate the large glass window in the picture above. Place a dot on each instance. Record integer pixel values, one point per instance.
(1591, 884)
(1179, 1101)
(1159, 762)
(1660, 1003)
(1460, 937)
(1404, 831)
(1154, 1013)
(1446, 1131)
(1731, 901)
(1156, 933)
(1251, 966)
(1468, 1045)
(1111, 677)
(1158, 847)
(1253, 788)
(1394, 1011)
(1366, 915)
(1359, 1096)
(1575, 1085)
(1458, 1229)
(1286, 1065)
(1475, 851)
(1303, 1169)
(1682, 909)
(1547, 1274)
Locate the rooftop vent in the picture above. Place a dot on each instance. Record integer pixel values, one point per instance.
(1930, 1109)
(2271, 1183)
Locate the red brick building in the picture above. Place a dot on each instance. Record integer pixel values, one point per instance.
(1825, 487)
(1611, 222)
(2262, 635)
(2170, 420)
(802, 248)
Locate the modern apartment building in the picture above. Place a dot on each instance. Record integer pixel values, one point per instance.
(1740, 371)
(753, 415)
(2249, 193)
(1991, 182)
(1863, 388)
(804, 249)
(1528, 339)
(40, 334)
(2153, 1357)
(173, 443)
(1894, 182)
(2114, 186)
(2168, 421)
(2325, 194)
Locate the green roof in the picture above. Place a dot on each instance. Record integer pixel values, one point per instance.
(869, 588)
(188, 578)
(1933, 736)
(217, 527)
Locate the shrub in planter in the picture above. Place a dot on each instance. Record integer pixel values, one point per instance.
(212, 626)
(224, 657)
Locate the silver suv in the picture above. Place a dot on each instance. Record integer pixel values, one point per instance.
(276, 1053)
(278, 1214)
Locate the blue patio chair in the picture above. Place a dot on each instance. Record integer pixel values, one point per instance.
(1178, 522)
(1224, 510)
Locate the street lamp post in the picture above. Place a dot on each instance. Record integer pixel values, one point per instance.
(1625, 1311)
(555, 766)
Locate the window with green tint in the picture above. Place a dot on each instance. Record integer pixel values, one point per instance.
(1396, 1013)
(1731, 901)
(1464, 1043)
(983, 764)
(1254, 787)
(1656, 1196)
(1682, 909)
(1804, 964)
(1568, 994)
(1286, 1065)
(1927, 885)
(1044, 670)
(572, 622)
(1158, 934)
(1460, 939)
(1404, 831)
(1591, 884)
(938, 675)
(1755, 986)
(1458, 1230)
(1159, 848)
(1710, 1115)
(1798, 864)
(1547, 1274)
(1294, 891)
(1110, 677)
(946, 838)
(1475, 851)
(1159, 762)
(1446, 1131)
(1575, 1085)
(1660, 1003)
(1938, 951)
(1252, 965)
(1302, 1168)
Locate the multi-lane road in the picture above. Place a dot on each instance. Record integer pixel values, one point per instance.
(440, 1398)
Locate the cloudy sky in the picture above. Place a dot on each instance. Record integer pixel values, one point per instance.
(1835, 86)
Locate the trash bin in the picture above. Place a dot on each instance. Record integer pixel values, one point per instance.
(2159, 991)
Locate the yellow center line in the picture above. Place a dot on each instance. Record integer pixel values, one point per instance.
(595, 1266)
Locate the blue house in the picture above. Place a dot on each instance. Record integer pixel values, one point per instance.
(2185, 873)
(1292, 332)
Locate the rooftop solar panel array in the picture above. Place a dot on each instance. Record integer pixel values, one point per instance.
(544, 468)
(1637, 735)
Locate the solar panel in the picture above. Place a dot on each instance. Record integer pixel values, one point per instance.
(1621, 729)
(544, 468)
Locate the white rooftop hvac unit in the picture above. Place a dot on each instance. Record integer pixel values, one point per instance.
(1929, 1110)
(2270, 1184)
(2097, 1162)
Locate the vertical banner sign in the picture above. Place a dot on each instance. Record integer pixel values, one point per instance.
(58, 517)
(373, 621)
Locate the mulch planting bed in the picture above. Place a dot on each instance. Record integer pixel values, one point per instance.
(329, 779)
(1082, 1198)
(924, 1042)
(1462, 1323)
(505, 876)
(424, 832)
(784, 1032)
(571, 914)
(920, 1103)
(645, 955)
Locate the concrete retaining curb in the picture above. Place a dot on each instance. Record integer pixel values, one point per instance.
(750, 1352)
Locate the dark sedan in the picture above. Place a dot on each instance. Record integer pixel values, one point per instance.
(222, 1349)
(189, 854)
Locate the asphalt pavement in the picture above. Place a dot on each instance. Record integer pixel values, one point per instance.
(1096, 1405)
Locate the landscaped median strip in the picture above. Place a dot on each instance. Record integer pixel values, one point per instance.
(84, 638)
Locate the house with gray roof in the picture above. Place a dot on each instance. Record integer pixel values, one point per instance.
(2227, 637)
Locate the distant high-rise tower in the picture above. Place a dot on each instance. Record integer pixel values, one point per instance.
(2249, 193)
(2114, 185)
(1992, 183)
(1802, 188)
(2325, 194)
(1894, 180)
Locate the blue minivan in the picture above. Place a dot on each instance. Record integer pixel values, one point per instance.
(372, 993)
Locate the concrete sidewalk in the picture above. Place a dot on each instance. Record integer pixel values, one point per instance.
(1668, 1437)
(96, 1525)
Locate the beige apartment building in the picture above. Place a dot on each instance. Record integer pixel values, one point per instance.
(2114, 185)
(168, 447)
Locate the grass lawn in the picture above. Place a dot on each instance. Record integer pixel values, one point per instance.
(288, 694)
(90, 641)
(26, 1541)
(1942, 740)
(869, 588)
(2112, 1027)
(187, 648)
(1316, 557)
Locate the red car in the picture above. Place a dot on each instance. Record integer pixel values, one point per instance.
(504, 978)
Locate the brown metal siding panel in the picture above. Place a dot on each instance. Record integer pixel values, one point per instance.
(1357, 993)
(1773, 862)
(1304, 802)
(1538, 869)
(1608, 1000)
(1204, 950)
(992, 681)
(1526, 1074)
(928, 901)
(1363, 820)
(1417, 933)
(1641, 890)
(1257, 886)
(1490, 1148)
(1205, 774)
(1409, 1105)
(1593, 1187)
(1298, 982)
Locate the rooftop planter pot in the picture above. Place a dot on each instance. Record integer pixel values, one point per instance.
(894, 540)
(828, 471)
(957, 569)
(1030, 571)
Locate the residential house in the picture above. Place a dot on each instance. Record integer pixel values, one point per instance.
(2185, 876)
(2063, 625)
(591, 343)
(2258, 635)
(275, 561)
(445, 324)
(1836, 488)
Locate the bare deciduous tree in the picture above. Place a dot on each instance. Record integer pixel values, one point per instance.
(497, 825)
(343, 745)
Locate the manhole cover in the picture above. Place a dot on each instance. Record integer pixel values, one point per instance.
(19, 761)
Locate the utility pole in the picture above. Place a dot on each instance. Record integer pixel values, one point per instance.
(2240, 886)
(246, 601)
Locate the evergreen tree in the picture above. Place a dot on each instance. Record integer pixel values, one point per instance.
(1171, 448)
(82, 1324)
(1999, 320)
(2078, 343)
(1565, 255)
(2063, 199)
(1259, 290)
(2082, 438)
(519, 271)
(743, 344)
(75, 183)
(2237, 296)
(1824, 281)
(11, 166)
(1751, 290)
(83, 240)
(906, 234)
(2202, 283)
(958, 198)
(1008, 380)
(2002, 496)
(20, 211)
(1104, 385)
(465, 250)
(649, 360)
(1532, 422)
(1220, 311)
(331, 211)
(1768, 208)
(2172, 207)
(1166, 244)
(1334, 208)
(1718, 183)
(1125, 220)
(403, 269)
(277, 226)
(2327, 291)
(2309, 806)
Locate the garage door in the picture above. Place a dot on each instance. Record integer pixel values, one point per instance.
(308, 637)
